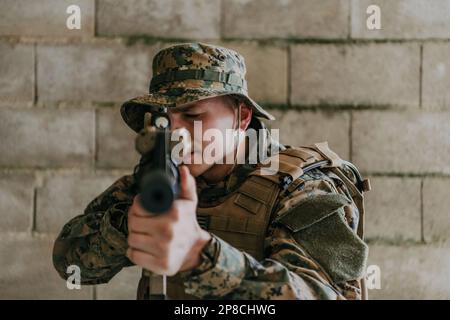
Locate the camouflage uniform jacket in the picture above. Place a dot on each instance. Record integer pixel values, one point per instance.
(96, 241)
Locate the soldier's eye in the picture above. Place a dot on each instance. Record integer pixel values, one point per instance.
(192, 115)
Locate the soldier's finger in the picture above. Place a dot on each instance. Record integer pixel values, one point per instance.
(139, 224)
(159, 227)
(138, 210)
(147, 261)
(145, 243)
(188, 187)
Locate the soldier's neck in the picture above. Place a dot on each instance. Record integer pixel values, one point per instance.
(219, 172)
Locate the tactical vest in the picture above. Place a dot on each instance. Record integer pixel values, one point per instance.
(242, 218)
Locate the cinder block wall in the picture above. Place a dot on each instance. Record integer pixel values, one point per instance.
(380, 98)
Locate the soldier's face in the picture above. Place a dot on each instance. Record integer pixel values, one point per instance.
(199, 117)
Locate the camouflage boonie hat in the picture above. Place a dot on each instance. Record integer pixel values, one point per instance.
(190, 72)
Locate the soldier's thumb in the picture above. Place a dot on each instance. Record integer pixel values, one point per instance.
(188, 187)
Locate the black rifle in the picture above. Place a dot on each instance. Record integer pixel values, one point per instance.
(158, 180)
(159, 177)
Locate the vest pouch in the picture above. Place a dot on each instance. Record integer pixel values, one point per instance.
(318, 224)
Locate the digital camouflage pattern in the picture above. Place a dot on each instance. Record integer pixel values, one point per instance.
(189, 72)
(96, 241)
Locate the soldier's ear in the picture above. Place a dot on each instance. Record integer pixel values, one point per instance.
(246, 116)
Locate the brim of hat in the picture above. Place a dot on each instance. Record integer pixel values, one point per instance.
(133, 110)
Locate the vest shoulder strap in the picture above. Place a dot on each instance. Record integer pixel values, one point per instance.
(291, 163)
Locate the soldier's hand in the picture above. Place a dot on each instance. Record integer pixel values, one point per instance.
(169, 242)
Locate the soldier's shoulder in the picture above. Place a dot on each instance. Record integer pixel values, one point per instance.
(293, 162)
(312, 209)
(121, 190)
(312, 188)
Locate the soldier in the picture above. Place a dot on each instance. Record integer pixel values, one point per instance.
(233, 233)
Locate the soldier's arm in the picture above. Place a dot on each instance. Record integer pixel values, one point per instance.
(96, 241)
(311, 253)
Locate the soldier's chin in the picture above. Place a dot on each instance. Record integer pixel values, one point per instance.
(198, 169)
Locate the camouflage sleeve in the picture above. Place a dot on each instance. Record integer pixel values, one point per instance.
(96, 240)
(310, 253)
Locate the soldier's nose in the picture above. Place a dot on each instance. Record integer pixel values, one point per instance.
(175, 120)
